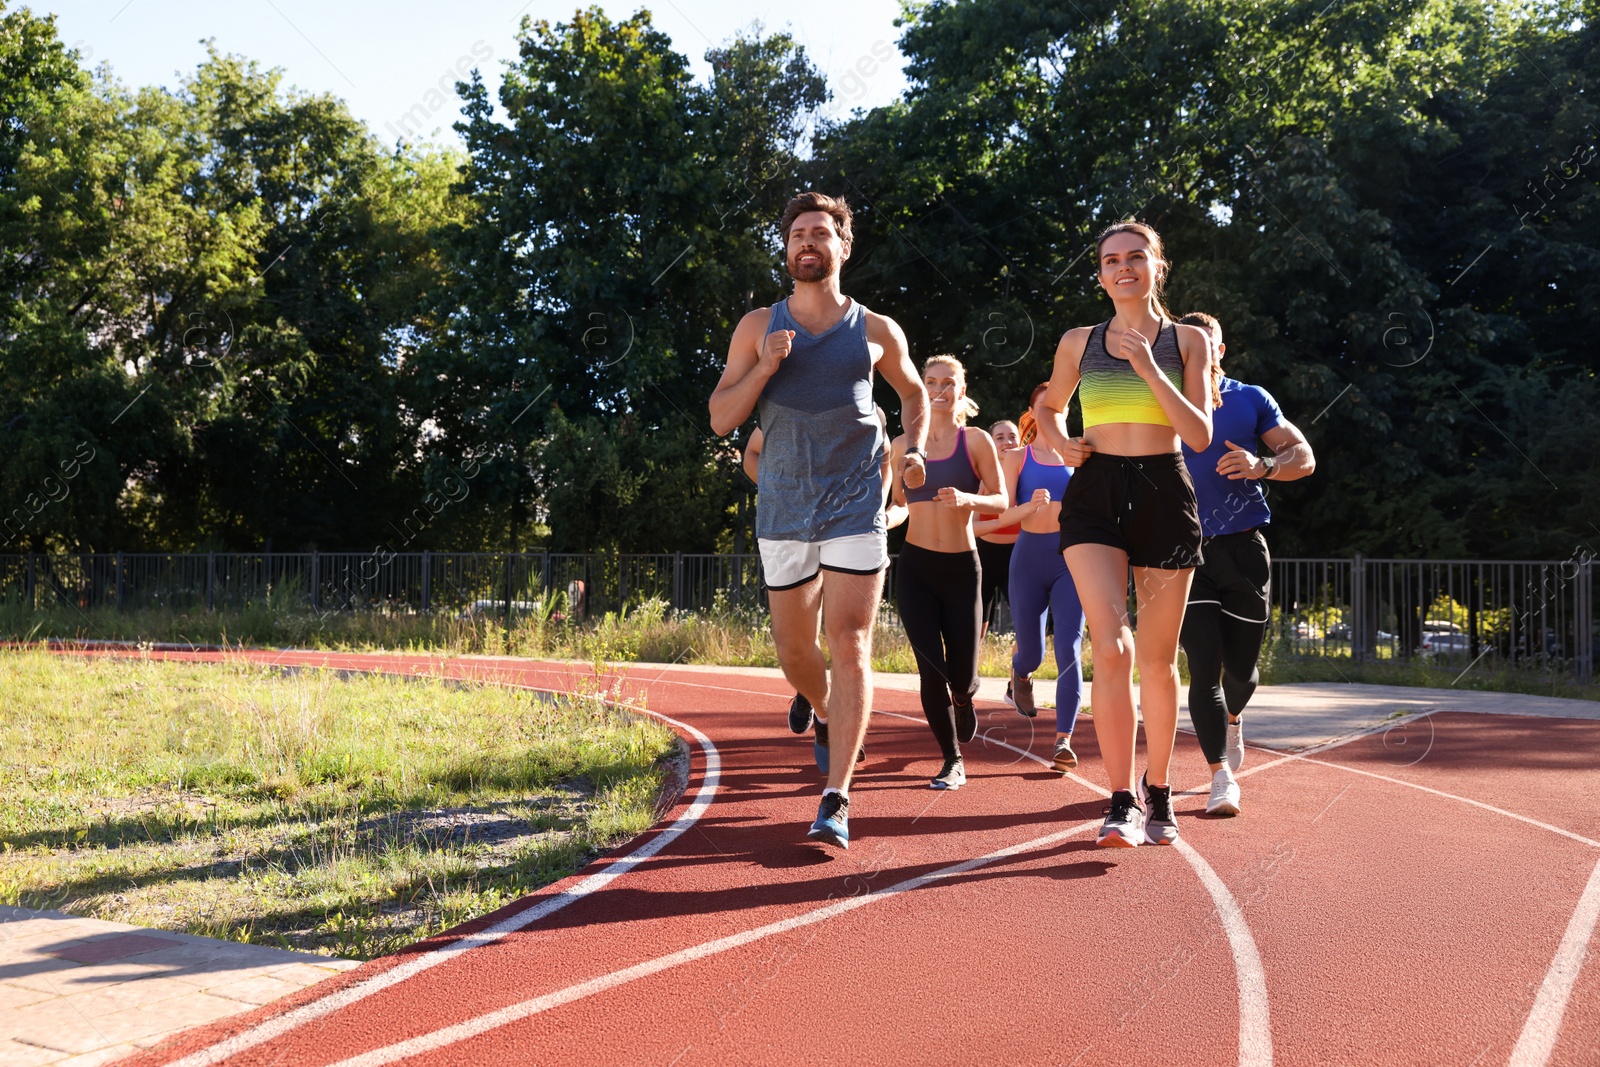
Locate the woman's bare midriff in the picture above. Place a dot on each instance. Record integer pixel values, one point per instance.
(940, 529)
(1131, 439)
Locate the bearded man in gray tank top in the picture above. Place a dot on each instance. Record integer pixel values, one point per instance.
(807, 363)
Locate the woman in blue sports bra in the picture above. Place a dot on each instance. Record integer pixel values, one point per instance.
(1036, 480)
(937, 575)
(1145, 385)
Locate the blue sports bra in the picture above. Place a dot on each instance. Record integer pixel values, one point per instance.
(1035, 475)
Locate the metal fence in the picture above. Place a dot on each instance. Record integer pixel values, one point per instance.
(1476, 614)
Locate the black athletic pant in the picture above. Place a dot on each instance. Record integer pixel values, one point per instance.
(995, 581)
(937, 594)
(1229, 605)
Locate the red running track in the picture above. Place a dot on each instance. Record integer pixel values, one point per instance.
(1426, 897)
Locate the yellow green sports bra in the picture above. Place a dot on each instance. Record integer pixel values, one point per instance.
(1112, 391)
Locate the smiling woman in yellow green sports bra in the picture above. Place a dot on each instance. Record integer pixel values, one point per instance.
(1145, 384)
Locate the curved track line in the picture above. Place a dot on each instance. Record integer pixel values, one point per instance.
(1255, 1018)
(515, 1012)
(1452, 796)
(1538, 1038)
(290, 1020)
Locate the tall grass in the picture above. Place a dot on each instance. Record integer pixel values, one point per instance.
(345, 815)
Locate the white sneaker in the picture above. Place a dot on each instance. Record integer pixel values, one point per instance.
(1224, 793)
(1233, 750)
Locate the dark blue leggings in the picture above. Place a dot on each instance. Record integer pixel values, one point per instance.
(1040, 582)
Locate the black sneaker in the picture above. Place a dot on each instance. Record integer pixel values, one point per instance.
(1124, 825)
(966, 722)
(800, 714)
(1022, 694)
(833, 821)
(953, 775)
(1161, 826)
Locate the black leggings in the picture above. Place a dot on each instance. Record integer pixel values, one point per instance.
(937, 594)
(1222, 631)
(995, 580)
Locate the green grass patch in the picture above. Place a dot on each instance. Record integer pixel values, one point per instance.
(342, 815)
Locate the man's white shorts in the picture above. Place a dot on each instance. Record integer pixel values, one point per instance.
(790, 564)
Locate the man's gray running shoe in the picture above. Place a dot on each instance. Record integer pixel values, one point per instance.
(1022, 694)
(800, 714)
(1233, 750)
(1124, 825)
(1161, 825)
(953, 775)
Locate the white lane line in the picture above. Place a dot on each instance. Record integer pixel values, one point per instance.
(1538, 1038)
(282, 1024)
(516, 1012)
(1452, 796)
(1255, 1019)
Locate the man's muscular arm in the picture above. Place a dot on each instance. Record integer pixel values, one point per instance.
(894, 363)
(754, 356)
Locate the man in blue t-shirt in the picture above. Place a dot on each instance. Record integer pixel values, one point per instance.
(1229, 604)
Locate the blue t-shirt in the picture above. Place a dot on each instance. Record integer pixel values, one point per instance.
(1228, 506)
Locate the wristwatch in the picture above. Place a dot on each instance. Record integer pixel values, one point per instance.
(914, 450)
(1271, 464)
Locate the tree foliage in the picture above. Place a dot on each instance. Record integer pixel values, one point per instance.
(230, 318)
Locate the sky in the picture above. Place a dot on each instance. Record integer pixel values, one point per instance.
(383, 59)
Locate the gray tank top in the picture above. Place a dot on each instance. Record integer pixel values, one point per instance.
(821, 440)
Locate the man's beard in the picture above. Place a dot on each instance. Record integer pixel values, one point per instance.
(811, 272)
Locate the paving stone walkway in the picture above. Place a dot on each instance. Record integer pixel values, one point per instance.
(79, 991)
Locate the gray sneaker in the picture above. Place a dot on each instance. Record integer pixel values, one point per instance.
(1161, 825)
(1124, 825)
(1233, 750)
(953, 775)
(1022, 694)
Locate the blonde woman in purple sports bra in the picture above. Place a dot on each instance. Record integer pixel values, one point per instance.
(1146, 387)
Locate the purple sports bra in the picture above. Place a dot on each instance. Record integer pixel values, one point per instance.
(954, 470)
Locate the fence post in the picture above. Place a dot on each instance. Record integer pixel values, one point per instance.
(1358, 608)
(427, 581)
(1583, 596)
(677, 581)
(33, 603)
(211, 581)
(508, 594)
(119, 581)
(316, 580)
(544, 571)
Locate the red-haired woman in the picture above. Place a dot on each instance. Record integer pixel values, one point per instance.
(1145, 385)
(1041, 585)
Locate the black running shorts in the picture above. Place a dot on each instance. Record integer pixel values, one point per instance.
(1143, 505)
(1236, 576)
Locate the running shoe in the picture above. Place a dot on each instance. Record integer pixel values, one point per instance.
(953, 775)
(1009, 698)
(1124, 825)
(1022, 694)
(1224, 793)
(819, 746)
(1161, 826)
(800, 714)
(833, 821)
(1233, 751)
(966, 721)
(1066, 759)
